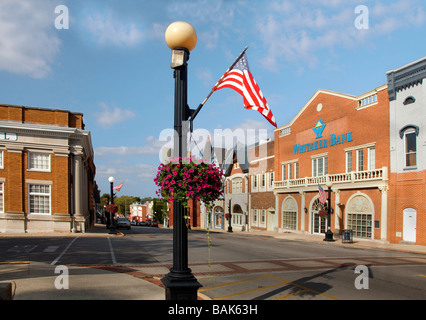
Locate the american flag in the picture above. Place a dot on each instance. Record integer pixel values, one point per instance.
(118, 187)
(322, 195)
(241, 80)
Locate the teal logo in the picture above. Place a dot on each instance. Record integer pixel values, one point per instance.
(319, 128)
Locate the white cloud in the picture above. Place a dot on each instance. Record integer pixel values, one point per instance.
(297, 32)
(108, 29)
(109, 117)
(28, 42)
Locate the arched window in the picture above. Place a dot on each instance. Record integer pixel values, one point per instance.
(237, 215)
(360, 216)
(289, 214)
(409, 100)
(318, 223)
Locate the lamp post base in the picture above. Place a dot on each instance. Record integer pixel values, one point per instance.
(328, 236)
(181, 286)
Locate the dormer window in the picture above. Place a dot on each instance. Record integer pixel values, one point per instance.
(409, 100)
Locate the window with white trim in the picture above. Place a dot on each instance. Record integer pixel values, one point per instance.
(271, 179)
(39, 161)
(1, 159)
(255, 218)
(237, 185)
(262, 217)
(319, 166)
(1, 197)
(39, 198)
(371, 158)
(349, 161)
(410, 140)
(360, 159)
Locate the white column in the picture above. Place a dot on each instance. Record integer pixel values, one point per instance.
(384, 213)
(77, 185)
(337, 213)
(302, 211)
(277, 213)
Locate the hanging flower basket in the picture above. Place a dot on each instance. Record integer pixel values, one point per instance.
(185, 178)
(111, 208)
(322, 214)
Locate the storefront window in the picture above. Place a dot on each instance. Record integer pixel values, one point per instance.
(360, 216)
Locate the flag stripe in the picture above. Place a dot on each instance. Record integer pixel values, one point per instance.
(322, 194)
(241, 80)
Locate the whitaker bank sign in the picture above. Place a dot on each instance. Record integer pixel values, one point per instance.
(334, 139)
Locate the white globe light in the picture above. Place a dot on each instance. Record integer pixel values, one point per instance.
(111, 179)
(181, 34)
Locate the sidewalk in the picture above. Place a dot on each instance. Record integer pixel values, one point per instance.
(361, 243)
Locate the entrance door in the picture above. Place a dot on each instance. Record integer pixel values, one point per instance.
(318, 224)
(409, 225)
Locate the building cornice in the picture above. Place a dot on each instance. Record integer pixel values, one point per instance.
(406, 76)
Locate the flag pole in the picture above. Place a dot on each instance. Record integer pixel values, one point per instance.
(195, 112)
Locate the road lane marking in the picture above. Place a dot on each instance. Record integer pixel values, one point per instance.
(26, 248)
(422, 275)
(63, 252)
(114, 261)
(51, 249)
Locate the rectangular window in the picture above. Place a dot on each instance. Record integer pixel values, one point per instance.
(271, 181)
(284, 173)
(263, 180)
(360, 160)
(290, 220)
(1, 160)
(263, 217)
(237, 185)
(371, 158)
(1, 197)
(319, 166)
(349, 161)
(410, 149)
(39, 161)
(296, 170)
(360, 224)
(39, 199)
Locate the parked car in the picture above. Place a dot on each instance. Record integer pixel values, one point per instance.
(123, 223)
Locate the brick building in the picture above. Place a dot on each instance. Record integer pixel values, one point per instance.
(236, 172)
(407, 192)
(342, 139)
(261, 178)
(46, 171)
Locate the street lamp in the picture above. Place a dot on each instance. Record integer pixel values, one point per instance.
(328, 233)
(180, 283)
(111, 222)
(229, 216)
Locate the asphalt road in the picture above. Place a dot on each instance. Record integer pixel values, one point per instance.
(235, 266)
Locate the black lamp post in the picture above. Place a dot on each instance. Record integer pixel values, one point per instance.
(229, 217)
(111, 222)
(328, 233)
(180, 283)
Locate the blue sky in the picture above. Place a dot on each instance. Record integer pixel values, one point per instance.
(113, 65)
